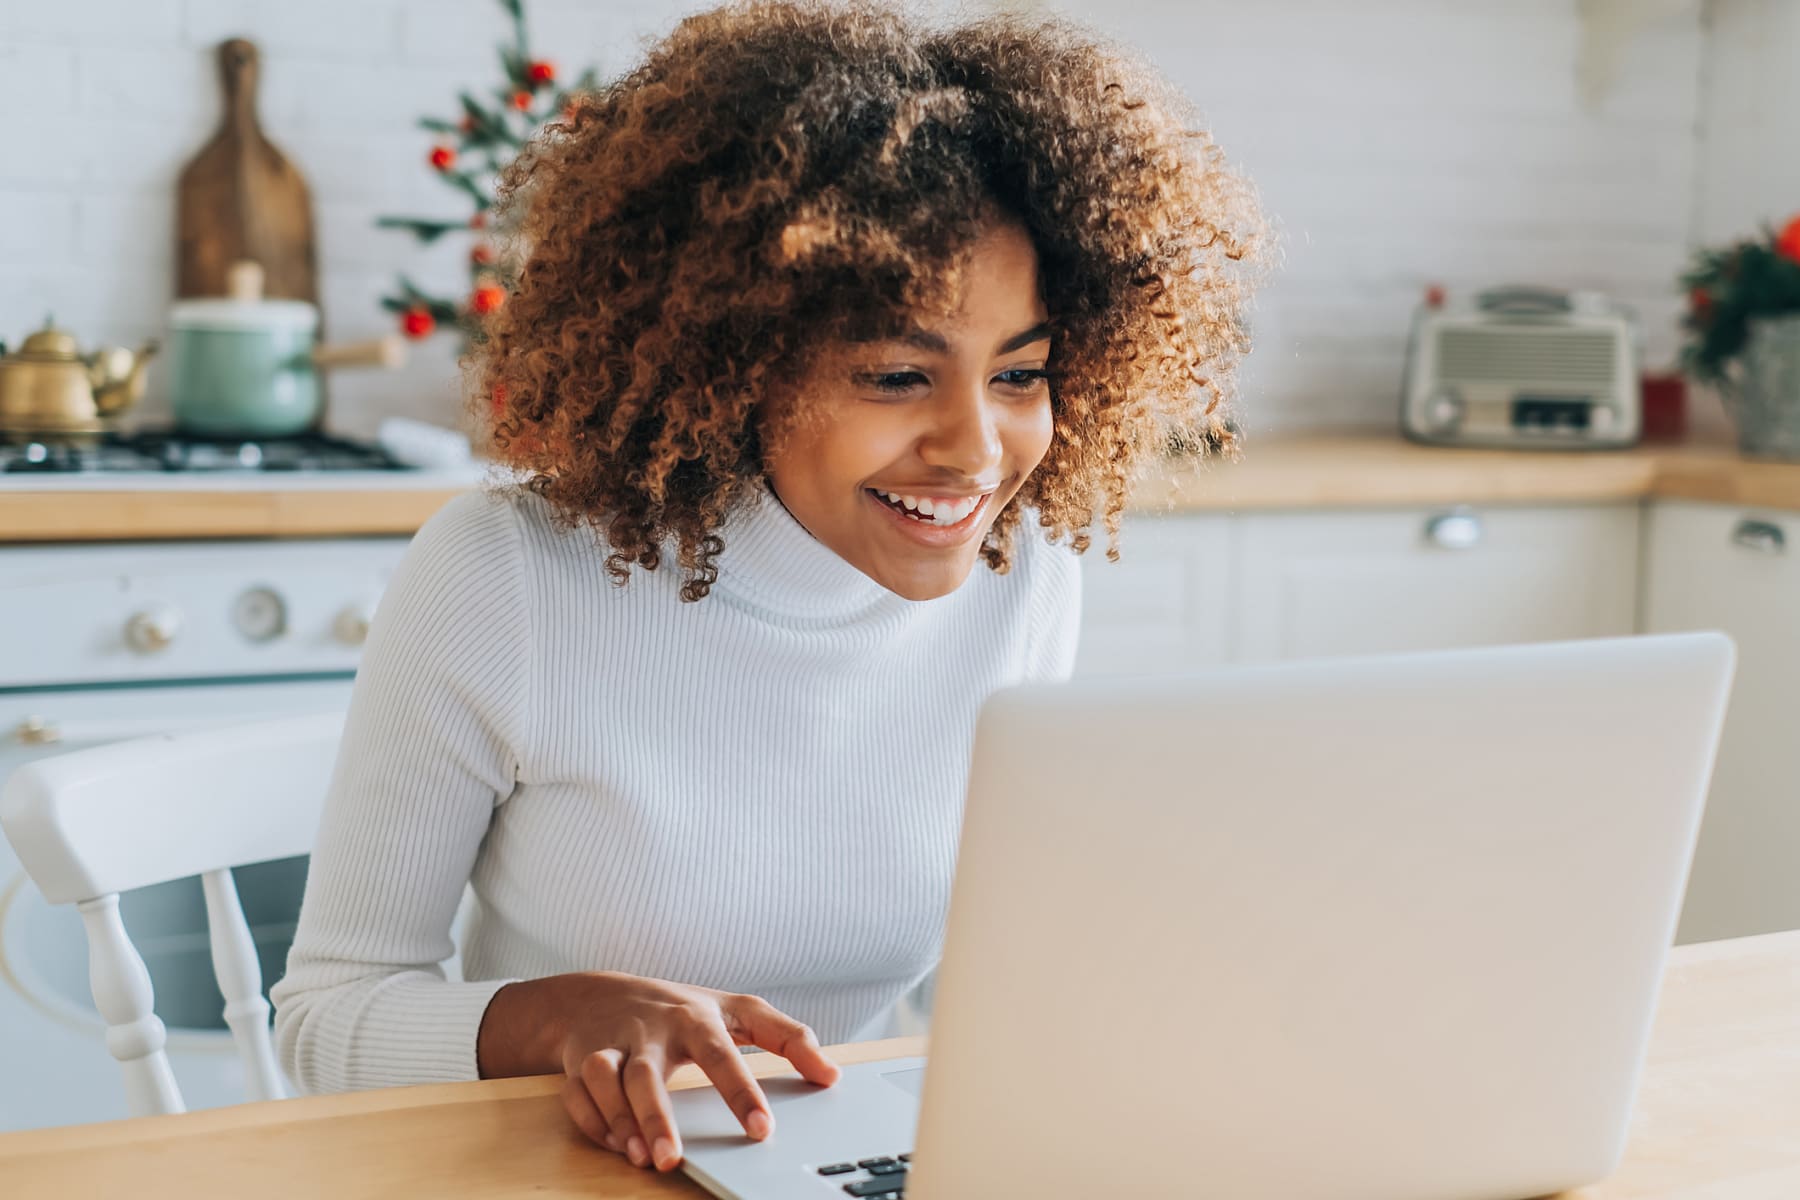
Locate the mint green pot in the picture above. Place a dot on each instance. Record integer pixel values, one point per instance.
(244, 368)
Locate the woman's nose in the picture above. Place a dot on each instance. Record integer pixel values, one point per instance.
(965, 436)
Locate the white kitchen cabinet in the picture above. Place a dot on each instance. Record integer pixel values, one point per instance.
(1164, 606)
(1315, 584)
(1710, 566)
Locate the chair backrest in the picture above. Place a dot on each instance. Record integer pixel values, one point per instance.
(93, 823)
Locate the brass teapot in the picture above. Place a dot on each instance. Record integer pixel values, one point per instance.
(49, 386)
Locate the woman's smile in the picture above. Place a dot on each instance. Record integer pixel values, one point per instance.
(932, 520)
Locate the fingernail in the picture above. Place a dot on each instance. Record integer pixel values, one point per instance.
(665, 1154)
(635, 1151)
(758, 1125)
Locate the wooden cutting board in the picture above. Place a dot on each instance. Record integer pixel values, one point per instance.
(240, 198)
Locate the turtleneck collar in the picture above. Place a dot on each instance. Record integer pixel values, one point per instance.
(771, 562)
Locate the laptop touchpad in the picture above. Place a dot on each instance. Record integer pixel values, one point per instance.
(911, 1082)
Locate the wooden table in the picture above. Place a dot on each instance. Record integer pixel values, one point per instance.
(1718, 1118)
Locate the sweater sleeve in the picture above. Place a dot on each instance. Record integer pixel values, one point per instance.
(1055, 613)
(432, 745)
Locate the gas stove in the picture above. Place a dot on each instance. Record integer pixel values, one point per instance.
(163, 451)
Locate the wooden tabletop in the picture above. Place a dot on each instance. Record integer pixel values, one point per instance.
(1718, 1118)
(1287, 470)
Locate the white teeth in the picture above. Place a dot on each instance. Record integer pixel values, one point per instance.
(935, 512)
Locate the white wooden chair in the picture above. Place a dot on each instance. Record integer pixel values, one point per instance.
(93, 823)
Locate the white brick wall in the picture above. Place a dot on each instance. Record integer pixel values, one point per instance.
(1399, 142)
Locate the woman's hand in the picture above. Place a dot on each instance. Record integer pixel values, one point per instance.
(620, 1036)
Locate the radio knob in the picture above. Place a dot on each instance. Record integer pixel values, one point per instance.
(351, 626)
(153, 629)
(1444, 410)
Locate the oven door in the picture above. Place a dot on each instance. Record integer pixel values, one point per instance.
(57, 1070)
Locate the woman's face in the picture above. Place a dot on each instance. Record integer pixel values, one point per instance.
(910, 448)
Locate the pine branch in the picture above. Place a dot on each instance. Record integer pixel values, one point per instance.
(426, 231)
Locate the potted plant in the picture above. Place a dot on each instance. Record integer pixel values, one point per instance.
(1743, 324)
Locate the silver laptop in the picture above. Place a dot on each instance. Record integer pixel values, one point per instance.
(1359, 929)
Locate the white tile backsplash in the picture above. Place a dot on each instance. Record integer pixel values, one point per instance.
(1398, 143)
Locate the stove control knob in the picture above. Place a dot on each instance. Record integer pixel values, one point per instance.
(351, 626)
(260, 614)
(152, 629)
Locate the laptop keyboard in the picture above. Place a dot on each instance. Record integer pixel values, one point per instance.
(882, 1178)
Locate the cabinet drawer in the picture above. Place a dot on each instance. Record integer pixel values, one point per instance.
(1164, 606)
(1316, 584)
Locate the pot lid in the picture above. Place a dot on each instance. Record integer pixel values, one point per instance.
(51, 344)
(217, 312)
(245, 307)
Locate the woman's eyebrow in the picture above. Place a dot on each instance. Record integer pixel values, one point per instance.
(925, 339)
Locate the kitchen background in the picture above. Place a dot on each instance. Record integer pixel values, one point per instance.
(1585, 143)
(1578, 144)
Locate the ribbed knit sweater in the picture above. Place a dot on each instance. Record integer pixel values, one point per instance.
(759, 792)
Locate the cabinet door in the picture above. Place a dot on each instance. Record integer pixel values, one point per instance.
(1719, 567)
(1315, 584)
(1163, 606)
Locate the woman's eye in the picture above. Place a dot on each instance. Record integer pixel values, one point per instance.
(892, 382)
(1023, 379)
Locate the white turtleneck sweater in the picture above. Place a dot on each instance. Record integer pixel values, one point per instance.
(759, 792)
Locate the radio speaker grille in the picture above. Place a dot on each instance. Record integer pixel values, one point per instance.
(1526, 356)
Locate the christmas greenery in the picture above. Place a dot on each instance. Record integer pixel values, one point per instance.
(1731, 286)
(473, 149)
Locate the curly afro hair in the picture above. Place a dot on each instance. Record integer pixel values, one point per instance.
(778, 177)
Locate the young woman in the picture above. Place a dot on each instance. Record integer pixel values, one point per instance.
(820, 307)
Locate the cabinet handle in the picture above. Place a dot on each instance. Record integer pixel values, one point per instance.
(1456, 530)
(1764, 537)
(35, 731)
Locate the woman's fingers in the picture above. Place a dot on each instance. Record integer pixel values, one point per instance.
(581, 1109)
(643, 1076)
(600, 1076)
(759, 1023)
(712, 1050)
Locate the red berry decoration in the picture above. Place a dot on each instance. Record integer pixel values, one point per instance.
(1787, 244)
(540, 73)
(521, 101)
(443, 157)
(478, 221)
(487, 298)
(481, 254)
(417, 323)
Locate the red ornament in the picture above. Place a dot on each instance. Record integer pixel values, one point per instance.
(1787, 244)
(487, 298)
(540, 73)
(416, 323)
(443, 157)
(521, 101)
(481, 254)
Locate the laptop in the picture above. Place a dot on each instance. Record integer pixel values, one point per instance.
(1384, 928)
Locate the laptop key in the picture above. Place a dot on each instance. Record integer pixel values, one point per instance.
(837, 1168)
(907, 1157)
(880, 1186)
(867, 1163)
(887, 1168)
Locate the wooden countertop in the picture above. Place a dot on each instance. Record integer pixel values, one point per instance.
(1374, 470)
(1318, 470)
(1717, 1116)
